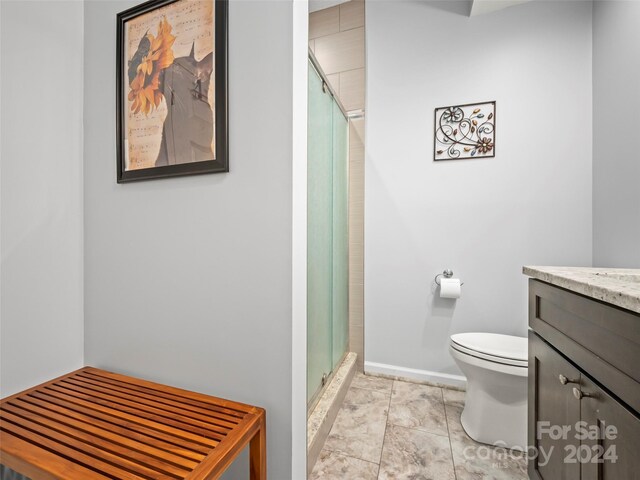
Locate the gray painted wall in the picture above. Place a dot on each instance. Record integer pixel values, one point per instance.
(483, 218)
(41, 213)
(188, 280)
(616, 164)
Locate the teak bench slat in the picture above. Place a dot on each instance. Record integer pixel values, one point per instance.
(185, 446)
(162, 408)
(95, 425)
(98, 433)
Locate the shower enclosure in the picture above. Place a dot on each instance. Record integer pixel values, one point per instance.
(327, 217)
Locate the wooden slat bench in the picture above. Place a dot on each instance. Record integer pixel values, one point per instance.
(94, 425)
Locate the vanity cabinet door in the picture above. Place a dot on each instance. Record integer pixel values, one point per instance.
(610, 455)
(552, 406)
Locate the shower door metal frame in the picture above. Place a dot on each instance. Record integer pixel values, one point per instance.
(312, 402)
(318, 68)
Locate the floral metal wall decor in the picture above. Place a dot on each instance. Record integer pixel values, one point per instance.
(465, 131)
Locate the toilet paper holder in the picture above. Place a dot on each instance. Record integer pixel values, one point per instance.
(448, 273)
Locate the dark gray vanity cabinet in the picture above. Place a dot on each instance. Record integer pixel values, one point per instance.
(584, 387)
(551, 402)
(600, 408)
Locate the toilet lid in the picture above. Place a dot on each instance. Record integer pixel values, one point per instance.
(494, 344)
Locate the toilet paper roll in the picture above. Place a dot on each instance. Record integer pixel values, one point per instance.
(450, 288)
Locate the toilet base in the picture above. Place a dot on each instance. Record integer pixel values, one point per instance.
(498, 420)
(495, 410)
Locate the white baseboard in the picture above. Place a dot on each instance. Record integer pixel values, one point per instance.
(416, 375)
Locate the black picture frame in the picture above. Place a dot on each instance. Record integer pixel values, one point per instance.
(221, 163)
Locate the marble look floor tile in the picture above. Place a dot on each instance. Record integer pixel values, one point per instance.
(453, 397)
(456, 430)
(335, 466)
(474, 460)
(410, 454)
(359, 431)
(361, 380)
(418, 406)
(363, 396)
(477, 461)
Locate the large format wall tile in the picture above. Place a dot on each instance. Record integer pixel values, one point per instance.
(356, 311)
(352, 89)
(324, 22)
(351, 15)
(356, 239)
(342, 51)
(334, 80)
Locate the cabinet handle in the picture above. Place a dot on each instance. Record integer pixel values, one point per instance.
(580, 394)
(564, 380)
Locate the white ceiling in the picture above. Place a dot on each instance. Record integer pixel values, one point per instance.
(480, 7)
(315, 5)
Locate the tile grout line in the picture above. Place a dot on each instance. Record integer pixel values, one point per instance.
(416, 429)
(338, 32)
(344, 455)
(446, 417)
(351, 70)
(485, 469)
(368, 389)
(371, 388)
(386, 424)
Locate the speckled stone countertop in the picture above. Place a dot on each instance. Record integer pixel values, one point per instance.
(617, 286)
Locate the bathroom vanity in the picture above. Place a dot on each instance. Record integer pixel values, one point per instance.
(584, 373)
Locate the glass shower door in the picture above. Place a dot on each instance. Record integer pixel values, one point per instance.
(319, 234)
(340, 235)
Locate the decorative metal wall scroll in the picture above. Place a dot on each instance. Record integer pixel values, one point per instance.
(465, 131)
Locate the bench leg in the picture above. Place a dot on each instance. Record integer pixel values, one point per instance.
(258, 453)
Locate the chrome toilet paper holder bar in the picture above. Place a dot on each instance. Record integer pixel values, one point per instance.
(448, 273)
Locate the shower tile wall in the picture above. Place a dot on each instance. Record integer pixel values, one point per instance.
(336, 37)
(356, 240)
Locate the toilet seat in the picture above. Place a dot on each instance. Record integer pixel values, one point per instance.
(492, 347)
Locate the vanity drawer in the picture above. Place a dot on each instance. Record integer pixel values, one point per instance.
(609, 336)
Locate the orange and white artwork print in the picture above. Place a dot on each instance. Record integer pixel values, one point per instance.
(169, 86)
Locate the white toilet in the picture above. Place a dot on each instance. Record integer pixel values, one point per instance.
(495, 410)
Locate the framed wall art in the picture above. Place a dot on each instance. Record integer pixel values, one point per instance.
(172, 116)
(465, 131)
